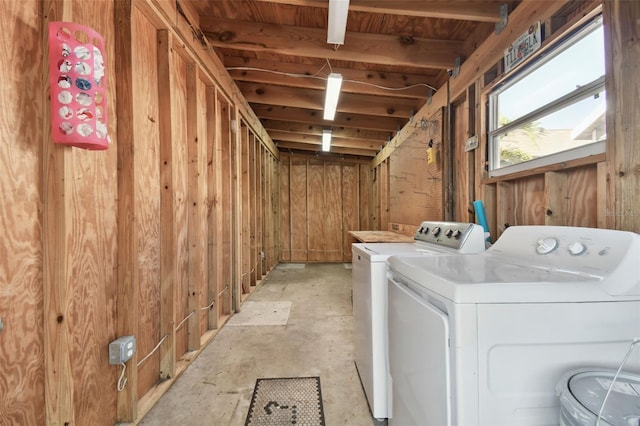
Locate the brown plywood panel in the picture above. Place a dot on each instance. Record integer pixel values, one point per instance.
(212, 208)
(462, 171)
(365, 197)
(245, 279)
(225, 194)
(332, 212)
(350, 207)
(298, 183)
(252, 206)
(285, 206)
(375, 198)
(572, 197)
(521, 202)
(21, 294)
(260, 212)
(180, 180)
(415, 185)
(202, 200)
(317, 210)
(147, 197)
(385, 190)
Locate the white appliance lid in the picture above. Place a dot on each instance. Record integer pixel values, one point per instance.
(536, 264)
(485, 278)
(381, 251)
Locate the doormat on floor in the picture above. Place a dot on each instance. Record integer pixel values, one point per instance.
(286, 401)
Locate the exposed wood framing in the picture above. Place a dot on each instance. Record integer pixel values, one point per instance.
(300, 41)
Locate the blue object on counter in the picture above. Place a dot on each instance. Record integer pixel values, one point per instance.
(481, 218)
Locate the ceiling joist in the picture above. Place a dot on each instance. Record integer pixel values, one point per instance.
(481, 11)
(318, 148)
(336, 131)
(314, 99)
(403, 50)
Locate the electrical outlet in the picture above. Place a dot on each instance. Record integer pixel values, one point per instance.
(122, 349)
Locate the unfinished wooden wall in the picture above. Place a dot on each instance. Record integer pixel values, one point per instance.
(595, 191)
(141, 239)
(407, 188)
(320, 202)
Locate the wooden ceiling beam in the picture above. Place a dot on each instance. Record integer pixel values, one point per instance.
(311, 43)
(354, 81)
(317, 140)
(482, 11)
(314, 99)
(337, 131)
(284, 146)
(301, 115)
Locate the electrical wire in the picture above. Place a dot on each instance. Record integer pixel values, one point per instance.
(122, 381)
(365, 83)
(615, 377)
(184, 320)
(152, 351)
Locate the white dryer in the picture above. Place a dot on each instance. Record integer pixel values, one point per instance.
(370, 296)
(482, 339)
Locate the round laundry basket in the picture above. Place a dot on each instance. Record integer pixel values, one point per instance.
(582, 391)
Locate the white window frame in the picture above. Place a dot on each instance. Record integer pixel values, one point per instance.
(570, 98)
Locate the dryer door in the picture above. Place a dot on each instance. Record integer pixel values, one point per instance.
(418, 359)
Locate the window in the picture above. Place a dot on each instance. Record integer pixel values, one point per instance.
(552, 111)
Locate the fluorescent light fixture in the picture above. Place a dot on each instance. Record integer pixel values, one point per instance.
(338, 11)
(326, 140)
(334, 82)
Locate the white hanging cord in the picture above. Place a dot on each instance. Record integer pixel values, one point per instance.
(329, 63)
(122, 381)
(365, 83)
(615, 377)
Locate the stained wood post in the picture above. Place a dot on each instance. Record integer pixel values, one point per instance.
(57, 291)
(168, 239)
(127, 296)
(213, 180)
(193, 207)
(622, 50)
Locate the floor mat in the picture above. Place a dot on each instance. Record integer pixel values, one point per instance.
(261, 313)
(286, 401)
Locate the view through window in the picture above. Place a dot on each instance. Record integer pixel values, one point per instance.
(552, 111)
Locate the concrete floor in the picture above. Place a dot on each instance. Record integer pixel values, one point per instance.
(316, 341)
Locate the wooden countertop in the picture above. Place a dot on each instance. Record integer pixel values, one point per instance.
(380, 237)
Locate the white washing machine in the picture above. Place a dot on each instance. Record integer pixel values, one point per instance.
(370, 296)
(482, 339)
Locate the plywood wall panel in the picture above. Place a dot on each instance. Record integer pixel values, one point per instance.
(224, 286)
(350, 207)
(260, 211)
(245, 279)
(147, 196)
(298, 183)
(285, 209)
(202, 223)
(180, 182)
(415, 186)
(21, 298)
(462, 164)
(365, 197)
(253, 143)
(332, 212)
(571, 197)
(317, 210)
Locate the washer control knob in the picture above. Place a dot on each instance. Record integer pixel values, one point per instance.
(448, 232)
(546, 245)
(456, 234)
(576, 248)
(436, 231)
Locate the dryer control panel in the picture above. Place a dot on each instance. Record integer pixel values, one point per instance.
(459, 236)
